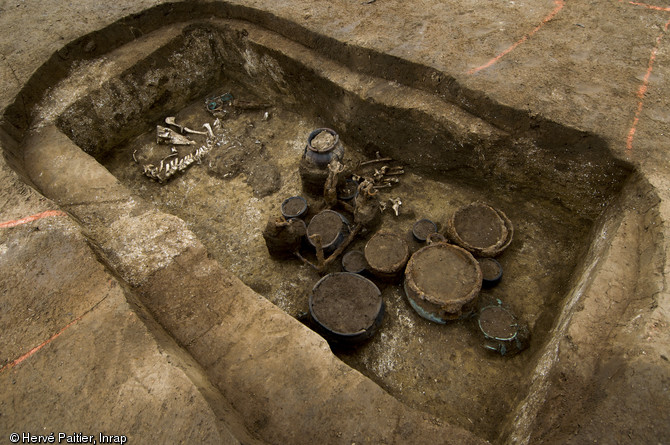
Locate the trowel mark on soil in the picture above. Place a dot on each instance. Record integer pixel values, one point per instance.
(559, 5)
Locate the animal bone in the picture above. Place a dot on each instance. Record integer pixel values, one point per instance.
(167, 169)
(396, 205)
(366, 187)
(375, 161)
(182, 129)
(209, 130)
(166, 135)
(170, 121)
(188, 130)
(379, 174)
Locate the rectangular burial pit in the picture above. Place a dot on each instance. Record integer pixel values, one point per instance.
(552, 185)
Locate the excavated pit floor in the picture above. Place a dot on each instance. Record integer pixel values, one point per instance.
(443, 369)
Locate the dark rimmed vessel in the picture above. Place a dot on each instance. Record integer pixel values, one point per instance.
(491, 272)
(503, 333)
(333, 228)
(346, 308)
(294, 207)
(320, 157)
(422, 229)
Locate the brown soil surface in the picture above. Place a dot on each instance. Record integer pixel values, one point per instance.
(490, 268)
(386, 252)
(328, 224)
(354, 261)
(313, 178)
(323, 141)
(479, 226)
(497, 322)
(293, 206)
(443, 272)
(423, 228)
(346, 303)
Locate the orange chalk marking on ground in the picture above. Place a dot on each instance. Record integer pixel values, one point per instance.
(643, 88)
(27, 219)
(655, 8)
(40, 346)
(559, 5)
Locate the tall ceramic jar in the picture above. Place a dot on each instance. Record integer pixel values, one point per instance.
(320, 156)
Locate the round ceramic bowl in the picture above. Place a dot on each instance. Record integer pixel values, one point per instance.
(422, 229)
(294, 207)
(320, 156)
(480, 229)
(332, 226)
(346, 307)
(442, 282)
(387, 255)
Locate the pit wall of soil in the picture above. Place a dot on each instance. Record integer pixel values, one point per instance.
(593, 353)
(185, 68)
(406, 123)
